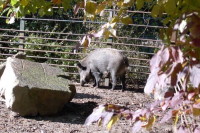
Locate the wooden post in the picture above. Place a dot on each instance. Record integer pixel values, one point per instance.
(173, 37)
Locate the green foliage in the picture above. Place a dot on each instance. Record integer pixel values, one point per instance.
(20, 8)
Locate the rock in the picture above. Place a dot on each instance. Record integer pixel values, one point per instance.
(19, 55)
(2, 67)
(32, 88)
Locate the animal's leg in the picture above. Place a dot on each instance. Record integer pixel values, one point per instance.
(114, 80)
(97, 79)
(123, 80)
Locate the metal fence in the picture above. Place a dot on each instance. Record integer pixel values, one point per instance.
(42, 43)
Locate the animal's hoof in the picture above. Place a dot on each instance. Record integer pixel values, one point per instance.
(94, 85)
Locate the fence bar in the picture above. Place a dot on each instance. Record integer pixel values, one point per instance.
(124, 51)
(81, 21)
(21, 34)
(59, 33)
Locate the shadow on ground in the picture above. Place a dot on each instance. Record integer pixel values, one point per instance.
(73, 113)
(83, 95)
(129, 88)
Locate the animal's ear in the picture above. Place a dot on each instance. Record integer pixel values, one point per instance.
(80, 66)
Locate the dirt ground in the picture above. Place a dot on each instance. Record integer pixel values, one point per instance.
(72, 118)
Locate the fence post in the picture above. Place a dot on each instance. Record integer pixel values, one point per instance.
(21, 34)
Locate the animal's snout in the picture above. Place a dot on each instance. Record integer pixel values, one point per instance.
(82, 83)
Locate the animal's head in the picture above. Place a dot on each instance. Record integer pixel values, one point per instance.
(85, 73)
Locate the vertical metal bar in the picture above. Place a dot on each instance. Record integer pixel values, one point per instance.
(21, 34)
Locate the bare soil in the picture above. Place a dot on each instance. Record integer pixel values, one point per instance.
(72, 118)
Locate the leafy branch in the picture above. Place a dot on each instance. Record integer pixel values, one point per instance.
(177, 108)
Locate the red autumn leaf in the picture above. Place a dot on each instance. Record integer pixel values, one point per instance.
(165, 67)
(176, 54)
(177, 67)
(195, 42)
(56, 2)
(195, 26)
(127, 114)
(78, 6)
(168, 94)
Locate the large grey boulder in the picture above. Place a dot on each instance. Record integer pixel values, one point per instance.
(19, 55)
(31, 88)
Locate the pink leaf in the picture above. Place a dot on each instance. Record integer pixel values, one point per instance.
(177, 54)
(83, 40)
(95, 116)
(197, 130)
(156, 59)
(183, 75)
(127, 114)
(136, 114)
(155, 105)
(166, 105)
(191, 95)
(137, 126)
(106, 117)
(166, 117)
(76, 9)
(196, 105)
(195, 75)
(176, 99)
(151, 82)
(183, 129)
(98, 34)
(165, 57)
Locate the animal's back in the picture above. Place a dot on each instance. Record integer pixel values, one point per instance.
(107, 59)
(104, 54)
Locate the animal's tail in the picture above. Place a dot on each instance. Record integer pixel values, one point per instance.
(126, 62)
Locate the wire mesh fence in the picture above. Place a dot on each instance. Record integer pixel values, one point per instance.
(53, 40)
